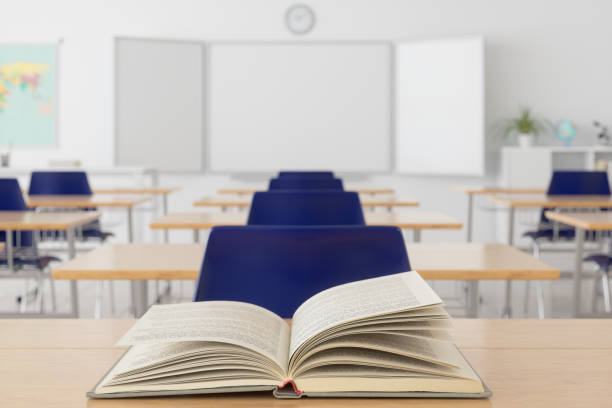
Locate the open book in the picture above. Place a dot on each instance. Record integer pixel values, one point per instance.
(384, 337)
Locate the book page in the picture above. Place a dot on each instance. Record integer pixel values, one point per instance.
(238, 323)
(357, 300)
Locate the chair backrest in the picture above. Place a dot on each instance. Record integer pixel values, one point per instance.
(313, 207)
(59, 183)
(278, 268)
(579, 183)
(317, 183)
(11, 199)
(306, 174)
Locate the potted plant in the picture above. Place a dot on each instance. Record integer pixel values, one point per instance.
(525, 126)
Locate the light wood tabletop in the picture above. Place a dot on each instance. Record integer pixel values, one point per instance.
(85, 201)
(413, 219)
(182, 262)
(476, 190)
(136, 190)
(593, 221)
(29, 220)
(542, 200)
(244, 202)
(572, 372)
(135, 262)
(476, 261)
(360, 190)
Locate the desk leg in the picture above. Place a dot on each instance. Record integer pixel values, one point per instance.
(140, 301)
(130, 224)
(196, 236)
(578, 272)
(9, 250)
(165, 209)
(470, 216)
(507, 311)
(473, 299)
(416, 235)
(74, 293)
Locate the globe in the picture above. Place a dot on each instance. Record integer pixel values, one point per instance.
(565, 131)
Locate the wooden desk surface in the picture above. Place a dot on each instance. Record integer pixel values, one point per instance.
(565, 374)
(414, 219)
(360, 190)
(183, 261)
(590, 221)
(475, 190)
(246, 202)
(136, 190)
(84, 201)
(542, 200)
(29, 220)
(135, 262)
(476, 261)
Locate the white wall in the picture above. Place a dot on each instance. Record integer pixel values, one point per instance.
(551, 54)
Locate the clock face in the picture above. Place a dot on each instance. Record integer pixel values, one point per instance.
(300, 19)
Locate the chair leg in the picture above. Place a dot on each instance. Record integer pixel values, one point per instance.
(39, 283)
(53, 298)
(24, 297)
(535, 251)
(98, 297)
(526, 298)
(540, 299)
(605, 283)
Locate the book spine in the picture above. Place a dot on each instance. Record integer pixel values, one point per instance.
(293, 385)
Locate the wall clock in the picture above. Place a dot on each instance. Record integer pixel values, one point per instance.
(300, 19)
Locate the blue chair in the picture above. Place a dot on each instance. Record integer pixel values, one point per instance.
(284, 207)
(67, 183)
(297, 183)
(565, 183)
(278, 268)
(306, 174)
(25, 251)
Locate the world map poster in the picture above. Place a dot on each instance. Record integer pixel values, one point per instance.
(28, 95)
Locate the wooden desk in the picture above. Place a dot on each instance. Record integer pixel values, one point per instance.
(592, 221)
(245, 202)
(471, 191)
(136, 262)
(84, 201)
(543, 363)
(140, 263)
(11, 221)
(360, 190)
(541, 201)
(415, 220)
(475, 262)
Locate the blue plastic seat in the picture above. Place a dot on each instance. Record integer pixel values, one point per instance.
(25, 252)
(285, 207)
(67, 183)
(299, 183)
(306, 174)
(278, 268)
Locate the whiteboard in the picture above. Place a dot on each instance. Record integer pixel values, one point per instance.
(159, 104)
(299, 106)
(440, 107)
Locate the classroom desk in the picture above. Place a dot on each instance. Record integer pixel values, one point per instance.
(541, 201)
(11, 221)
(164, 192)
(471, 191)
(245, 202)
(593, 221)
(143, 262)
(136, 262)
(360, 190)
(84, 201)
(414, 220)
(475, 262)
(545, 363)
